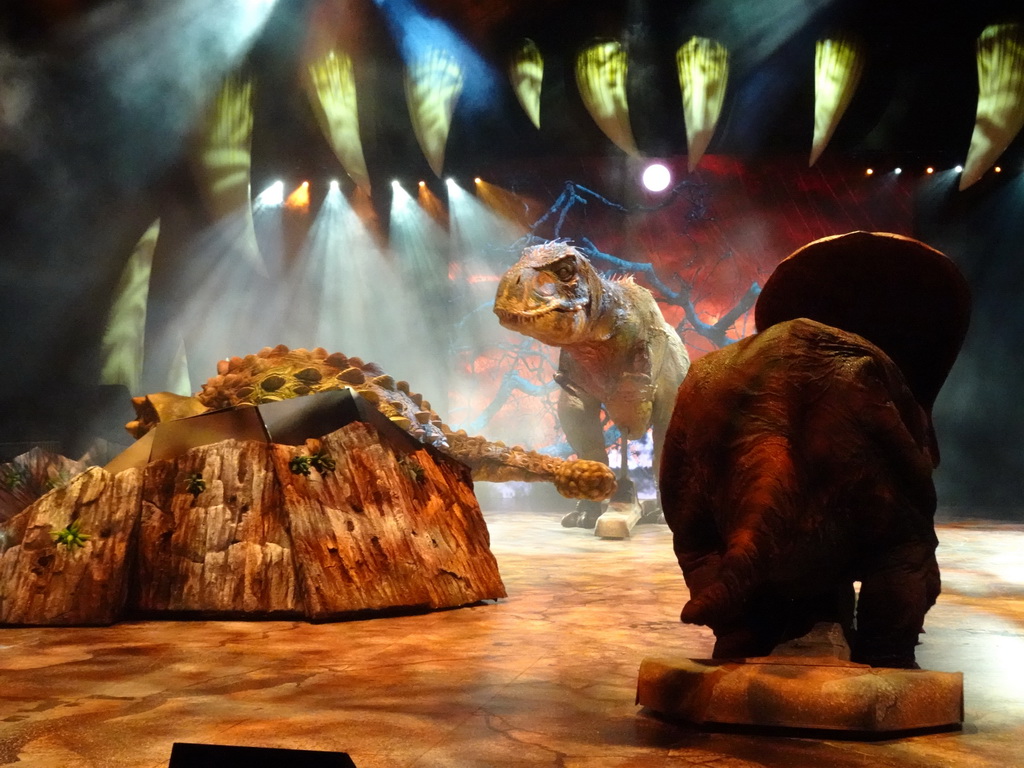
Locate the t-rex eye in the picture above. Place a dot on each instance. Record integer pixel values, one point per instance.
(563, 271)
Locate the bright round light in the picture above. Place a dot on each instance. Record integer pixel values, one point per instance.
(423, 183)
(869, 171)
(959, 169)
(929, 169)
(897, 171)
(335, 186)
(272, 195)
(395, 183)
(656, 177)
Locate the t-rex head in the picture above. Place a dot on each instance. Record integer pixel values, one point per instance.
(549, 294)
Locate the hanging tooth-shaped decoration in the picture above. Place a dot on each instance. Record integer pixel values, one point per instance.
(123, 346)
(331, 82)
(703, 66)
(526, 71)
(838, 63)
(433, 83)
(1000, 98)
(222, 157)
(601, 78)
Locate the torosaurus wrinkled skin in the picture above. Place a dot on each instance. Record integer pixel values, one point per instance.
(617, 351)
(279, 373)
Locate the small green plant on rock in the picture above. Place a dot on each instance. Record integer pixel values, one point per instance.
(58, 480)
(195, 484)
(12, 476)
(322, 462)
(413, 469)
(300, 465)
(71, 536)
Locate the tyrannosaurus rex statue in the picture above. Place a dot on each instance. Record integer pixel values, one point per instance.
(617, 351)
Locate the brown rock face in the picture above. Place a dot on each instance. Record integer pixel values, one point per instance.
(46, 582)
(224, 550)
(238, 529)
(359, 549)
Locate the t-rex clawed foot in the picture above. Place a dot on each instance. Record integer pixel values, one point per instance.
(584, 516)
(651, 512)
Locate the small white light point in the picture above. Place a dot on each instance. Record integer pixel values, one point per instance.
(656, 177)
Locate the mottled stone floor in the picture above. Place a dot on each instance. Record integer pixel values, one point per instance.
(545, 678)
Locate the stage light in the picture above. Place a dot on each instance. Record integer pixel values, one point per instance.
(450, 182)
(869, 171)
(656, 177)
(272, 195)
(400, 199)
(298, 200)
(897, 171)
(998, 169)
(477, 180)
(959, 169)
(929, 169)
(335, 186)
(422, 183)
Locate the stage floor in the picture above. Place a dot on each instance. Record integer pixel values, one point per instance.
(544, 678)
